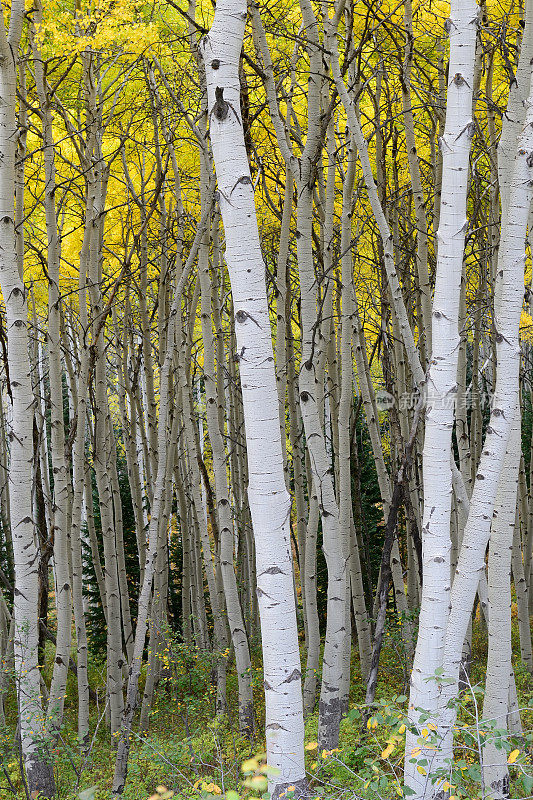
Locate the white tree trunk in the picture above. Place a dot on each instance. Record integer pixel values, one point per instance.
(509, 299)
(499, 668)
(61, 498)
(38, 771)
(441, 382)
(267, 493)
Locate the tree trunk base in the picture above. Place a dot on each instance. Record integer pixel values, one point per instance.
(299, 790)
(40, 777)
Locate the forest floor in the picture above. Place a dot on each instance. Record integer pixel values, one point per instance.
(193, 754)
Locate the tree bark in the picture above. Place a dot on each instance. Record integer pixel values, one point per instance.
(267, 493)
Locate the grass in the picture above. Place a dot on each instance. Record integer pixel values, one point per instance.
(187, 748)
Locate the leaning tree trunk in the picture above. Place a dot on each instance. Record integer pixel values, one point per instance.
(38, 770)
(496, 699)
(362, 623)
(509, 294)
(61, 497)
(267, 493)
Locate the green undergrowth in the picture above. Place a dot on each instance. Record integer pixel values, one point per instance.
(188, 753)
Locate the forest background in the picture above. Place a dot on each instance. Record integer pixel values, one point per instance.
(266, 489)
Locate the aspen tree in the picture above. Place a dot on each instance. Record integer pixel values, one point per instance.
(78, 481)
(504, 549)
(346, 399)
(129, 423)
(441, 382)
(200, 514)
(497, 685)
(39, 771)
(267, 493)
(508, 306)
(311, 388)
(61, 497)
(101, 412)
(413, 162)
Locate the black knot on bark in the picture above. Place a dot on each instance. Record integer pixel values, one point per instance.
(215, 63)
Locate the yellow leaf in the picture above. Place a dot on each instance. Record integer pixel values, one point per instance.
(388, 750)
(421, 770)
(425, 732)
(513, 756)
(311, 746)
(250, 765)
(401, 729)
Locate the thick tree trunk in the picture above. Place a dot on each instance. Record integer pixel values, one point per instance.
(27, 676)
(267, 493)
(441, 382)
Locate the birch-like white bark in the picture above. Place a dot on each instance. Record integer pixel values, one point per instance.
(267, 493)
(345, 406)
(509, 298)
(499, 667)
(311, 386)
(413, 162)
(441, 382)
(39, 772)
(78, 482)
(61, 496)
